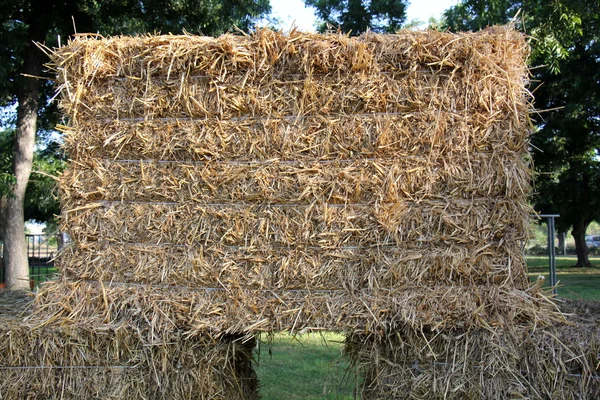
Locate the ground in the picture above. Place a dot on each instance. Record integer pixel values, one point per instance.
(307, 367)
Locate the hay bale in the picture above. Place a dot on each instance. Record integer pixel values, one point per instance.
(298, 74)
(296, 182)
(41, 359)
(291, 138)
(522, 361)
(324, 225)
(218, 311)
(295, 268)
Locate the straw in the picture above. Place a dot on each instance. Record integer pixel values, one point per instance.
(558, 362)
(390, 172)
(42, 358)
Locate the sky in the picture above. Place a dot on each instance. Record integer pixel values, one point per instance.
(294, 11)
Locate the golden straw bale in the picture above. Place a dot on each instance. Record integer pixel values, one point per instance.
(59, 358)
(321, 225)
(284, 172)
(301, 267)
(495, 56)
(381, 136)
(373, 185)
(279, 182)
(156, 310)
(554, 362)
(123, 98)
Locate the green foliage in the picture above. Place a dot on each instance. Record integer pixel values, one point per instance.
(358, 16)
(14, 38)
(555, 25)
(13, 34)
(172, 16)
(569, 136)
(41, 198)
(475, 15)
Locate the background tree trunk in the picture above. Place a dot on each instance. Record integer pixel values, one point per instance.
(13, 223)
(562, 245)
(579, 229)
(3, 255)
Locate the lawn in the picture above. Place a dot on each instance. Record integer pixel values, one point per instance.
(574, 283)
(534, 262)
(309, 366)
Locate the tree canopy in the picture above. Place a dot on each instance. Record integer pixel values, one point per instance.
(358, 16)
(566, 84)
(41, 200)
(7, 179)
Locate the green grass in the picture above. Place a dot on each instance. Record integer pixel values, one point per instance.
(562, 262)
(574, 283)
(306, 367)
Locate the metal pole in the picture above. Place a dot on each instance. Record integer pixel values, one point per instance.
(551, 249)
(552, 255)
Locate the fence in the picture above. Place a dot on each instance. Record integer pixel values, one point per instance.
(41, 250)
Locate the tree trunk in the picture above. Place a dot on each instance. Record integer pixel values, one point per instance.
(3, 255)
(13, 224)
(579, 228)
(562, 242)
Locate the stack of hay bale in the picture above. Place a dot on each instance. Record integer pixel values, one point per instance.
(375, 186)
(296, 182)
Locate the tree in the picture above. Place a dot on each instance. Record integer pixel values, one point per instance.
(358, 16)
(6, 177)
(569, 180)
(566, 141)
(21, 64)
(470, 15)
